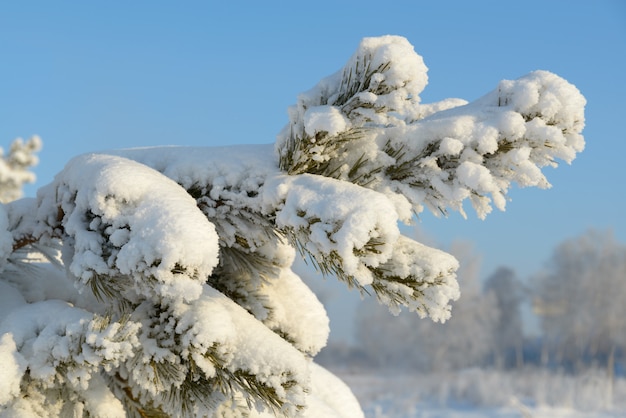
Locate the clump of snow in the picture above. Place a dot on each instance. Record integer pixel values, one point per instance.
(110, 202)
(386, 85)
(327, 119)
(214, 328)
(58, 343)
(100, 401)
(345, 227)
(429, 279)
(295, 304)
(506, 136)
(450, 146)
(13, 368)
(328, 389)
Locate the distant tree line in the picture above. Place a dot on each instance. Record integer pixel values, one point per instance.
(577, 300)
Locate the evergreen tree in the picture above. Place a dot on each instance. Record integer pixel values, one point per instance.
(15, 167)
(168, 289)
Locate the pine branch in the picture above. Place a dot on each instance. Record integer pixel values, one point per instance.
(410, 291)
(455, 152)
(240, 275)
(329, 265)
(301, 152)
(110, 290)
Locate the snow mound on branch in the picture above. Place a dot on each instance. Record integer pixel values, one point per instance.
(423, 277)
(214, 322)
(329, 391)
(338, 218)
(324, 119)
(158, 236)
(295, 304)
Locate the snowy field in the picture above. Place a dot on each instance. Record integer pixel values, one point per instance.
(478, 393)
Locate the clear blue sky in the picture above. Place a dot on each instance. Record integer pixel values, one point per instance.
(88, 76)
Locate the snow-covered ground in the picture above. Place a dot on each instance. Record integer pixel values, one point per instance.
(479, 393)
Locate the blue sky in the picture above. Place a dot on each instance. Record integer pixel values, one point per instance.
(88, 76)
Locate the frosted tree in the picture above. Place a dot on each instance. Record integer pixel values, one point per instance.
(168, 289)
(508, 336)
(579, 298)
(15, 167)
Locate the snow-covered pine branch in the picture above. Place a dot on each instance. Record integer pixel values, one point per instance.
(365, 124)
(15, 165)
(177, 296)
(258, 208)
(233, 190)
(142, 258)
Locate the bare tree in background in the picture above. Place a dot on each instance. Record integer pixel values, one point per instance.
(580, 298)
(508, 333)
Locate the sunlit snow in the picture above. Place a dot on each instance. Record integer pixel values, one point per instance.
(170, 267)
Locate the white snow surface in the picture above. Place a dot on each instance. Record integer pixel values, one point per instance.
(13, 367)
(479, 393)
